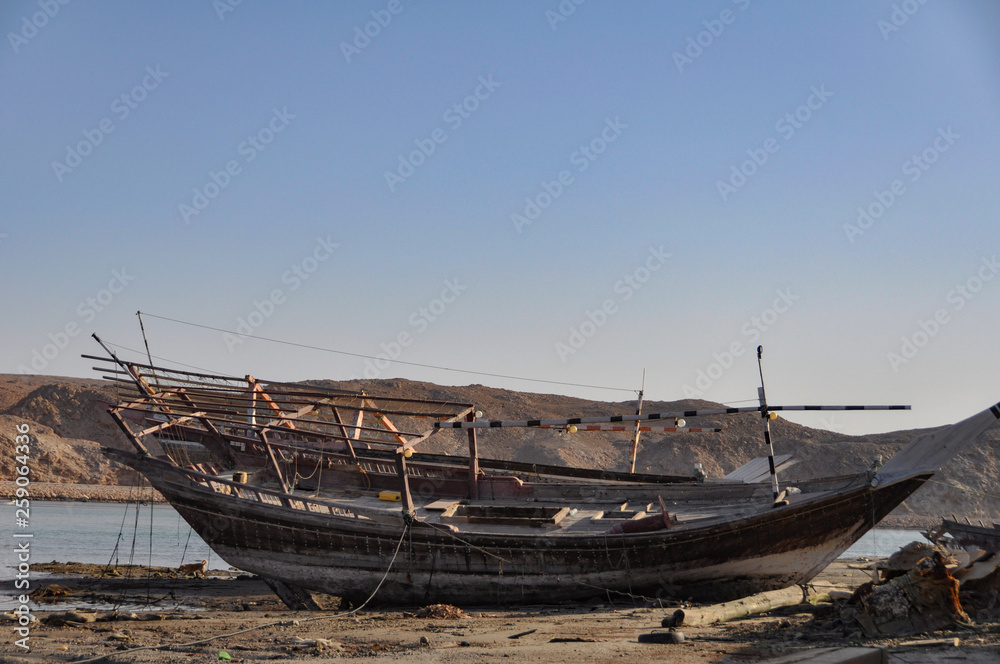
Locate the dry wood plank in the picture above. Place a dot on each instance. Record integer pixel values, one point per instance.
(931, 642)
(715, 613)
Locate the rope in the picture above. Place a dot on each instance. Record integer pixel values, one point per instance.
(617, 592)
(167, 646)
(467, 544)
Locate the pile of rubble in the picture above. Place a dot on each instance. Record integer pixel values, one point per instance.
(925, 587)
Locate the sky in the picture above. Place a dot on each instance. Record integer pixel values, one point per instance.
(559, 197)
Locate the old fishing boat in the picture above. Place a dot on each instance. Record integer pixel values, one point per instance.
(966, 534)
(320, 490)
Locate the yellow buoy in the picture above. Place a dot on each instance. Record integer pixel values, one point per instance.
(572, 428)
(390, 496)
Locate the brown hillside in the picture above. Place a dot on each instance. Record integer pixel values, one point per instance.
(67, 417)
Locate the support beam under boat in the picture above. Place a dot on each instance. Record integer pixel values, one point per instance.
(295, 598)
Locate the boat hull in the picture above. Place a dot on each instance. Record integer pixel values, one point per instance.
(721, 560)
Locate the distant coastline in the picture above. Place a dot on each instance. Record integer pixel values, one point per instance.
(98, 493)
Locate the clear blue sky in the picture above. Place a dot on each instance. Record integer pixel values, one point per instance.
(516, 189)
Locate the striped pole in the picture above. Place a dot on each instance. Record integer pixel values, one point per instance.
(606, 419)
(637, 427)
(767, 424)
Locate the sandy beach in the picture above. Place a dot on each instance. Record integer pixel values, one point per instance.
(246, 621)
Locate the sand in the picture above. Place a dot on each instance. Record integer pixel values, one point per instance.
(191, 609)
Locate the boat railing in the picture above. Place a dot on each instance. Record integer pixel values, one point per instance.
(270, 497)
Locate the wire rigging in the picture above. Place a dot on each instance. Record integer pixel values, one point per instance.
(372, 357)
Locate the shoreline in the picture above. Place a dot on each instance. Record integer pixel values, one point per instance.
(83, 493)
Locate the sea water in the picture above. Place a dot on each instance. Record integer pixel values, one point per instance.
(882, 543)
(99, 533)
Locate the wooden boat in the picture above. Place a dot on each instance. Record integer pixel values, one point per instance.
(967, 534)
(469, 531)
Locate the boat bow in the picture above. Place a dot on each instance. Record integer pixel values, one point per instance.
(929, 452)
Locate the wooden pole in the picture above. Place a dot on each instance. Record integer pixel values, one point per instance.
(274, 463)
(638, 412)
(404, 483)
(706, 615)
(343, 429)
(145, 341)
(473, 460)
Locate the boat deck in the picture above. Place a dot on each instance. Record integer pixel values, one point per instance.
(553, 517)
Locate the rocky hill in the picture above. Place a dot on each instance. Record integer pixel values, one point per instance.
(66, 415)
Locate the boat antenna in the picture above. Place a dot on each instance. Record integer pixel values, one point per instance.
(767, 415)
(148, 355)
(638, 411)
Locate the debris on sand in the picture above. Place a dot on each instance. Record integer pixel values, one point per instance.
(909, 556)
(441, 612)
(70, 618)
(923, 599)
(52, 593)
(924, 594)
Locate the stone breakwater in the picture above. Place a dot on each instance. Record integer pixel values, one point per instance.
(101, 493)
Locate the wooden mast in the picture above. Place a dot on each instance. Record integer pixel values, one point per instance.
(638, 411)
(473, 460)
